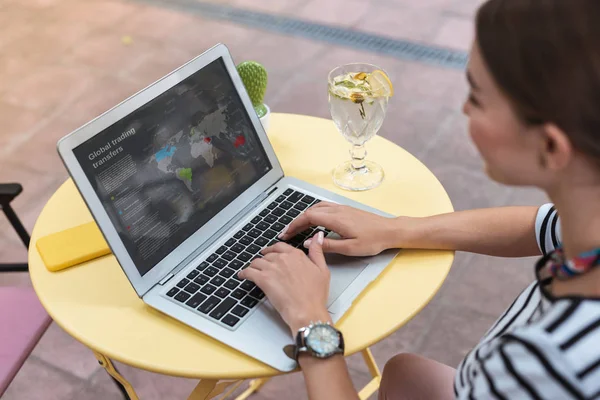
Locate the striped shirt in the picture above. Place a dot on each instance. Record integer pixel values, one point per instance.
(541, 347)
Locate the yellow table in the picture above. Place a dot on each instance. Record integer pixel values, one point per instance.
(96, 305)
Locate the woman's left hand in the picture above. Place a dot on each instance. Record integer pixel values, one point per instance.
(296, 285)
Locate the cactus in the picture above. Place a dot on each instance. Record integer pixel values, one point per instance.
(254, 76)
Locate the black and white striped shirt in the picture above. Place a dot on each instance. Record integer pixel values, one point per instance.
(541, 347)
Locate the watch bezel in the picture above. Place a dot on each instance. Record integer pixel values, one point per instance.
(302, 336)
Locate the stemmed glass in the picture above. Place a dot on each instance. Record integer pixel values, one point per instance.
(358, 99)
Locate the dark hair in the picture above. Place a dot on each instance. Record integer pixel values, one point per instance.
(545, 56)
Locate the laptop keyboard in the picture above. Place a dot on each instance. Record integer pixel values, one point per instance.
(213, 288)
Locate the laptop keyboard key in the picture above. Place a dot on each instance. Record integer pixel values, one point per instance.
(255, 220)
(211, 258)
(264, 212)
(182, 296)
(220, 263)
(211, 271)
(271, 218)
(201, 280)
(230, 242)
(230, 320)
(249, 302)
(192, 288)
(223, 308)
(261, 241)
(240, 311)
(229, 255)
(202, 266)
(245, 256)
(295, 197)
(308, 199)
(217, 280)
(227, 272)
(285, 220)
(239, 234)
(231, 284)
(286, 205)
(172, 292)
(222, 293)
(236, 264)
(182, 283)
(280, 199)
(262, 226)
(272, 206)
(254, 233)
(246, 240)
(300, 206)
(257, 293)
(196, 300)
(293, 213)
(237, 248)
(253, 249)
(247, 227)
(277, 226)
(209, 304)
(221, 250)
(270, 234)
(239, 293)
(247, 285)
(208, 289)
(278, 212)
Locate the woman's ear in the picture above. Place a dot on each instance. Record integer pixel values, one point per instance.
(556, 150)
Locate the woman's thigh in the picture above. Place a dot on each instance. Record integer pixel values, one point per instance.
(411, 377)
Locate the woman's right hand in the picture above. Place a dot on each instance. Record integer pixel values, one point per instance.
(362, 233)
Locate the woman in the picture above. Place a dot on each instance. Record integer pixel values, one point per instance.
(534, 111)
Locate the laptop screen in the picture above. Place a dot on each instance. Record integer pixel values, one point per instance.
(166, 169)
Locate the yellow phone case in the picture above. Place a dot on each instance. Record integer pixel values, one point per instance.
(73, 246)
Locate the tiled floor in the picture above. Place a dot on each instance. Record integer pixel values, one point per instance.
(62, 62)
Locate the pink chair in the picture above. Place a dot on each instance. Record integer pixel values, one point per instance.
(23, 320)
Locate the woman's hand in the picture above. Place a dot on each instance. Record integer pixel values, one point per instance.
(296, 285)
(362, 233)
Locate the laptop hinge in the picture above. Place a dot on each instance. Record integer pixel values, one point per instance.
(255, 203)
(166, 279)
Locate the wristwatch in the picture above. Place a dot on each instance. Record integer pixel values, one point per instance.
(319, 339)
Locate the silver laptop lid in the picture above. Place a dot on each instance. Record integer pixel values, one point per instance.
(165, 169)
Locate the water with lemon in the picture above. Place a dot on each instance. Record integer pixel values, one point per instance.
(358, 103)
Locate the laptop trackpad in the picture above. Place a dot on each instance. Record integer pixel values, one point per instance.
(344, 271)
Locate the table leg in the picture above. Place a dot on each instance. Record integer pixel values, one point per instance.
(210, 388)
(255, 384)
(372, 386)
(124, 386)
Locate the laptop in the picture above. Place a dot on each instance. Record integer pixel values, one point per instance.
(187, 191)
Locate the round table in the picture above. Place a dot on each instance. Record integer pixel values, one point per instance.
(95, 303)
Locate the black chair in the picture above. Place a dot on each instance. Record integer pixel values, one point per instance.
(8, 192)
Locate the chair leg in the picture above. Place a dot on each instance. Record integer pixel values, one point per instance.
(16, 223)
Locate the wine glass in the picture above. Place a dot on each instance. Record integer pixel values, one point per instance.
(358, 99)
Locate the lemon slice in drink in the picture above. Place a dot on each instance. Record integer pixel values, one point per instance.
(380, 84)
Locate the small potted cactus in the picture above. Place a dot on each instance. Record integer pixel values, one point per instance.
(254, 76)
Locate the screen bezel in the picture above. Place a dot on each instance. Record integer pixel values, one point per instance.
(143, 283)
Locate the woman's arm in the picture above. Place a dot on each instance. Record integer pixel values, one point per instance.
(502, 232)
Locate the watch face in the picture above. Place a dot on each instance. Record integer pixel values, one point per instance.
(323, 339)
